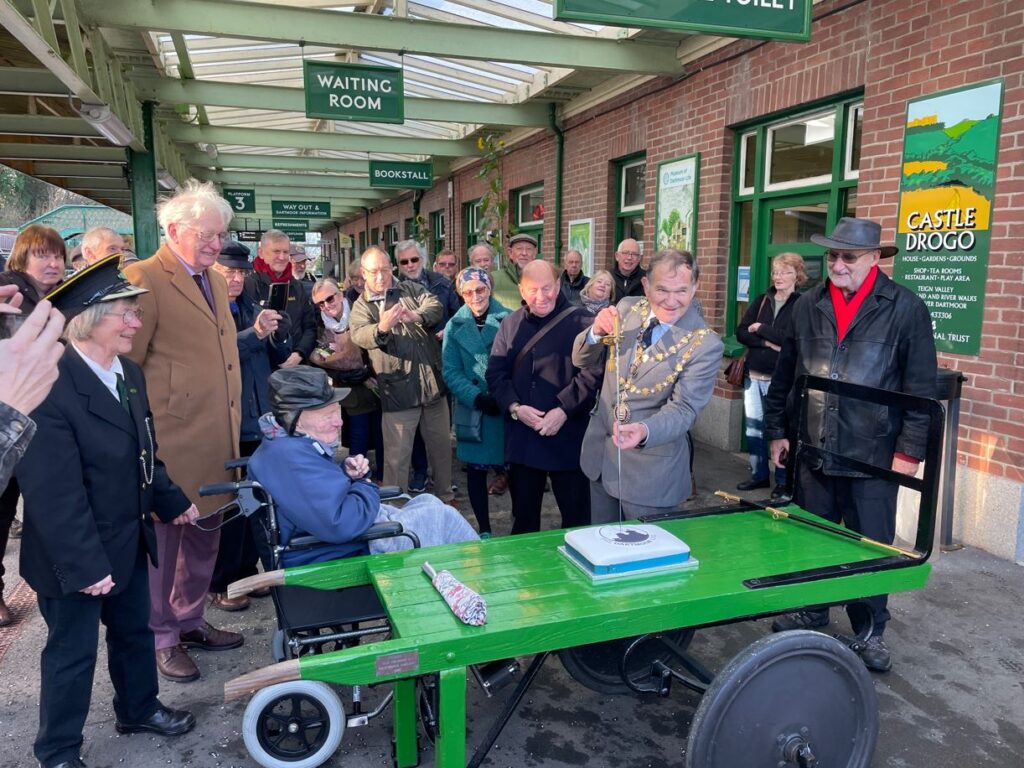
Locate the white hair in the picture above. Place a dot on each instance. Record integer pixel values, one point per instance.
(195, 200)
(96, 237)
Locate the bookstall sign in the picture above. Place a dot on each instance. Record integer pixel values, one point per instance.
(242, 200)
(300, 209)
(401, 175)
(364, 92)
(675, 214)
(763, 19)
(947, 196)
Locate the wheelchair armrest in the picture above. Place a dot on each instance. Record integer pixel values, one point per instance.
(241, 463)
(390, 492)
(381, 531)
(304, 542)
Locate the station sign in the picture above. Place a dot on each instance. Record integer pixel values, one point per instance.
(242, 200)
(947, 202)
(300, 209)
(763, 19)
(363, 92)
(292, 227)
(401, 175)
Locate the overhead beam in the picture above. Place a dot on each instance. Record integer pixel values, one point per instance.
(364, 32)
(238, 160)
(218, 94)
(61, 152)
(46, 125)
(340, 142)
(78, 170)
(30, 81)
(322, 181)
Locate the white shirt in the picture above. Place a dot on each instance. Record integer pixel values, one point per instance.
(107, 377)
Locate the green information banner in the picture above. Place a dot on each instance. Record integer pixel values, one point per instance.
(300, 209)
(242, 200)
(292, 228)
(401, 175)
(947, 198)
(764, 19)
(364, 92)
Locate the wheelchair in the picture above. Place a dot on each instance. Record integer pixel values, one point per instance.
(300, 724)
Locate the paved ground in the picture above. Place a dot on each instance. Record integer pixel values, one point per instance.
(955, 698)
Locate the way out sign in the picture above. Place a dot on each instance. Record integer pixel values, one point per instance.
(401, 175)
(300, 209)
(337, 91)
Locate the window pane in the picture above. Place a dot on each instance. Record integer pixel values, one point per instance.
(802, 150)
(408, 228)
(633, 227)
(746, 214)
(851, 203)
(857, 118)
(531, 206)
(749, 159)
(796, 224)
(633, 185)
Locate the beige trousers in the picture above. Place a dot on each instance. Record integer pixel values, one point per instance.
(399, 430)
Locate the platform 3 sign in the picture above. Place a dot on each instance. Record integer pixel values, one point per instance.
(361, 92)
(947, 196)
(764, 19)
(242, 200)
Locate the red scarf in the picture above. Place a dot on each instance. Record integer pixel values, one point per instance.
(847, 310)
(261, 266)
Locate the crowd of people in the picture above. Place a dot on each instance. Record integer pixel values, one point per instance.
(538, 377)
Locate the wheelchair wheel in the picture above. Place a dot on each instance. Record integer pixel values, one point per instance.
(298, 724)
(792, 700)
(598, 666)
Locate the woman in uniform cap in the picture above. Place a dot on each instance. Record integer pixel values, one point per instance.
(91, 480)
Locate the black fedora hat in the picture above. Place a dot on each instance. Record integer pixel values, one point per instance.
(300, 388)
(98, 282)
(234, 255)
(851, 234)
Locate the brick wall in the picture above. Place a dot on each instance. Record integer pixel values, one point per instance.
(895, 51)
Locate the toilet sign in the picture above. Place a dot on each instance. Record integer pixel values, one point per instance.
(364, 92)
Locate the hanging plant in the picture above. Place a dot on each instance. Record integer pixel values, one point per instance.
(493, 205)
(420, 231)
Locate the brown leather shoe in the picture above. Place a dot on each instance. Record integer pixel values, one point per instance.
(209, 638)
(176, 665)
(499, 485)
(229, 604)
(261, 592)
(6, 617)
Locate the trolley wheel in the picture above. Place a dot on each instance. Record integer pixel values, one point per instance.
(597, 666)
(798, 698)
(297, 724)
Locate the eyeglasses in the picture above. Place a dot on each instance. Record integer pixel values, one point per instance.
(782, 272)
(633, 254)
(444, 264)
(327, 300)
(481, 291)
(848, 257)
(136, 313)
(209, 237)
(413, 260)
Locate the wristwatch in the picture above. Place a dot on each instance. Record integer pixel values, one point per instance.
(514, 411)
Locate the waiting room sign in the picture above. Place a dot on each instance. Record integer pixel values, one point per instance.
(764, 19)
(363, 92)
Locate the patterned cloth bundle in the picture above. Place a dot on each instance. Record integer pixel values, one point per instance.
(466, 604)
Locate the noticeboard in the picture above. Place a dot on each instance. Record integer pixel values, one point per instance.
(363, 92)
(763, 19)
(947, 200)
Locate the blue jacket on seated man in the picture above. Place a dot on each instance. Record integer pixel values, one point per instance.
(315, 495)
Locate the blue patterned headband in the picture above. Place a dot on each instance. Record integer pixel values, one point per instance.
(473, 273)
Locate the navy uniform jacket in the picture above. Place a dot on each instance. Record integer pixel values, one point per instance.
(258, 359)
(86, 503)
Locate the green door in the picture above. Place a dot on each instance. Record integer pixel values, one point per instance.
(787, 224)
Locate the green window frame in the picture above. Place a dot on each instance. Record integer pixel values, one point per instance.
(755, 197)
(630, 172)
(471, 222)
(391, 237)
(407, 229)
(437, 231)
(528, 213)
(362, 241)
(375, 236)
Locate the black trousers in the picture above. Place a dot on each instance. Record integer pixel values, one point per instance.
(526, 486)
(8, 508)
(69, 662)
(864, 505)
(236, 554)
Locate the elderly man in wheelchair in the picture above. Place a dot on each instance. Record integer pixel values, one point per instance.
(318, 497)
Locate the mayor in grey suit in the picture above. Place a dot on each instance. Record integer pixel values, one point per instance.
(667, 363)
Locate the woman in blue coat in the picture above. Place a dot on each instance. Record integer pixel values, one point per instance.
(464, 354)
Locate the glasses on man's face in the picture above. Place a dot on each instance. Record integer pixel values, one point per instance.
(407, 262)
(376, 272)
(630, 254)
(327, 300)
(847, 257)
(209, 237)
(135, 313)
(444, 265)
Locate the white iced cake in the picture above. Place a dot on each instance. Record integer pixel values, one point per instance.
(625, 549)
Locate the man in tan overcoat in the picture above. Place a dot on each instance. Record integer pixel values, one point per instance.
(188, 353)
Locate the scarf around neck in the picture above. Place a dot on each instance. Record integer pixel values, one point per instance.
(262, 267)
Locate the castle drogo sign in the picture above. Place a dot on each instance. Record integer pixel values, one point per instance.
(361, 92)
(401, 175)
(300, 209)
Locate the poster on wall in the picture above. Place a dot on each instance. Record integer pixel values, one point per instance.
(947, 194)
(581, 238)
(675, 217)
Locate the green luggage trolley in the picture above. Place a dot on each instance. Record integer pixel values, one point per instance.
(792, 699)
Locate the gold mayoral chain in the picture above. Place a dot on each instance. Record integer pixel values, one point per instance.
(627, 386)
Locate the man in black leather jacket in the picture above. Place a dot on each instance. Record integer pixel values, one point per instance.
(859, 327)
